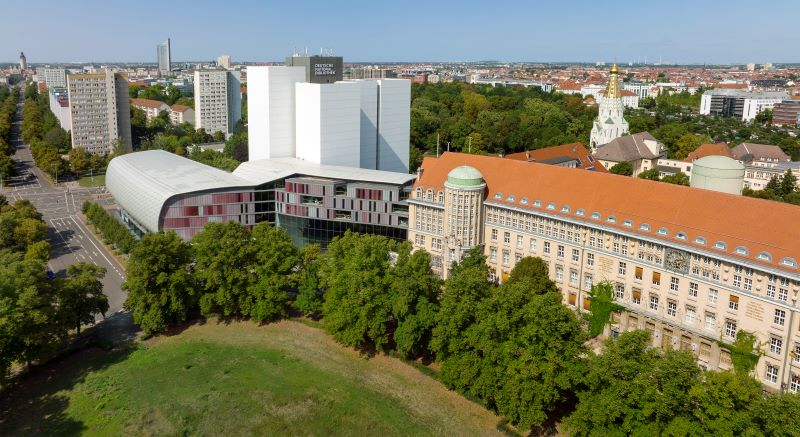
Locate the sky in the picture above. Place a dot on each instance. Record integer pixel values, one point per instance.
(678, 31)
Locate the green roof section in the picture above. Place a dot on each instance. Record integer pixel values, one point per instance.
(465, 177)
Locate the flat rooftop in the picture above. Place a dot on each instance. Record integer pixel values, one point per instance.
(268, 170)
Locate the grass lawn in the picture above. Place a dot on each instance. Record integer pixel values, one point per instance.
(86, 181)
(237, 379)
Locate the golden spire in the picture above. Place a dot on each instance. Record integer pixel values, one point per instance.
(612, 92)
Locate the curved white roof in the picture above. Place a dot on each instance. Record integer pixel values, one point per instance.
(142, 182)
(267, 170)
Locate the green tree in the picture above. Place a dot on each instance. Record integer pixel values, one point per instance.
(159, 283)
(678, 178)
(79, 160)
(38, 251)
(224, 255)
(788, 184)
(652, 174)
(724, 404)
(764, 117)
(622, 168)
(414, 296)
(357, 306)
(275, 260)
(631, 389)
(602, 306)
(81, 296)
(310, 296)
(687, 144)
(6, 168)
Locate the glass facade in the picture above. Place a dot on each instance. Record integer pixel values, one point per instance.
(305, 231)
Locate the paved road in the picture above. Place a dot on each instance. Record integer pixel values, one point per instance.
(70, 239)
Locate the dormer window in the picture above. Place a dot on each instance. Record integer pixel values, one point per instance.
(721, 245)
(627, 223)
(741, 250)
(789, 262)
(498, 195)
(596, 215)
(662, 231)
(551, 206)
(565, 209)
(681, 235)
(700, 240)
(580, 212)
(765, 256)
(537, 203)
(523, 201)
(611, 219)
(511, 198)
(644, 227)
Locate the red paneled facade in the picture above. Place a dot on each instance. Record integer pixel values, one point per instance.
(188, 214)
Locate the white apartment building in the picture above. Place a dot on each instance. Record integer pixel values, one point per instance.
(217, 100)
(52, 77)
(59, 106)
(99, 111)
(741, 104)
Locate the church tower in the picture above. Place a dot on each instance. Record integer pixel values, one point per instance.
(610, 123)
(23, 63)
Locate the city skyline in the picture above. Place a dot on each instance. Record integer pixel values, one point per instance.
(578, 31)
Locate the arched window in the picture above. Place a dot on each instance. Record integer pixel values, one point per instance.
(789, 262)
(765, 256)
(721, 245)
(700, 240)
(662, 231)
(681, 235)
(741, 250)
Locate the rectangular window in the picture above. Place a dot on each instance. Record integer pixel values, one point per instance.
(691, 315)
(573, 278)
(506, 237)
(619, 291)
(638, 273)
(748, 284)
(796, 357)
(559, 273)
(737, 281)
(730, 328)
(519, 241)
(693, 289)
(656, 278)
(517, 257)
(637, 296)
(506, 258)
(560, 253)
(533, 245)
(712, 295)
(493, 254)
(783, 294)
(672, 308)
(772, 374)
(673, 283)
(771, 290)
(780, 317)
(589, 259)
(587, 282)
(572, 298)
(546, 248)
(733, 302)
(775, 345)
(494, 234)
(575, 255)
(794, 384)
(622, 268)
(654, 302)
(705, 350)
(711, 321)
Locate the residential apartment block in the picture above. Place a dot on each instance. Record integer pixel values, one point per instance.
(99, 111)
(691, 266)
(52, 77)
(736, 103)
(217, 100)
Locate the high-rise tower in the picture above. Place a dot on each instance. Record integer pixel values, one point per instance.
(23, 63)
(610, 122)
(164, 56)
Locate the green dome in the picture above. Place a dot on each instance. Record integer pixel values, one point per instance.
(464, 176)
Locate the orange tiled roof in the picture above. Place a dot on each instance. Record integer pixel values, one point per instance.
(756, 224)
(549, 155)
(720, 149)
(180, 108)
(147, 103)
